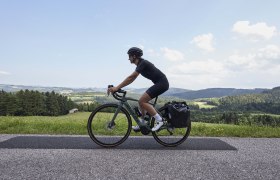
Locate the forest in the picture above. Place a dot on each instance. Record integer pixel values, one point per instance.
(34, 103)
(261, 109)
(266, 102)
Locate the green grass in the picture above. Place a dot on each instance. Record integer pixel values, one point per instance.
(68, 124)
(77, 124)
(227, 130)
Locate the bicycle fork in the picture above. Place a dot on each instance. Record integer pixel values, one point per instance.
(112, 123)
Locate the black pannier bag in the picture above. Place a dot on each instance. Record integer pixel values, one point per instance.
(178, 113)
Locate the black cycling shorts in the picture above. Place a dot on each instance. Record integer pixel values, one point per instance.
(158, 88)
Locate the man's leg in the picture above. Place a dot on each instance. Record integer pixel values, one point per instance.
(144, 105)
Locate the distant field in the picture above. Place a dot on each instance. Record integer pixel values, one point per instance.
(204, 105)
(77, 124)
(85, 97)
(257, 114)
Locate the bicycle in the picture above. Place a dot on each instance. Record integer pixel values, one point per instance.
(110, 124)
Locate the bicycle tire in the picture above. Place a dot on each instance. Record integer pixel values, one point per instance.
(175, 142)
(97, 138)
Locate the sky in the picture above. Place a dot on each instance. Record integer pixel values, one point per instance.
(198, 44)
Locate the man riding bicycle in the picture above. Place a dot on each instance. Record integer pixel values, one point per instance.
(149, 71)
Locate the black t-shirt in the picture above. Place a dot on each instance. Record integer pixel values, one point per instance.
(149, 71)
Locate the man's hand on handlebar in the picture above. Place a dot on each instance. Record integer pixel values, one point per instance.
(111, 89)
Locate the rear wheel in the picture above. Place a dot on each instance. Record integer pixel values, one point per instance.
(168, 135)
(105, 131)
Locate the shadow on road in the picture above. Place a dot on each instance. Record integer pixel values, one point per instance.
(55, 142)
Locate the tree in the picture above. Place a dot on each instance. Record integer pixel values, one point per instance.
(52, 104)
(12, 104)
(3, 103)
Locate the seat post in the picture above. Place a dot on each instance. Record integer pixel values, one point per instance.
(155, 100)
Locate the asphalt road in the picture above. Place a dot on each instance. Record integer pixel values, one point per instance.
(77, 157)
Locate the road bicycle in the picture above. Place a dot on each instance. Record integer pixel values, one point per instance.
(110, 124)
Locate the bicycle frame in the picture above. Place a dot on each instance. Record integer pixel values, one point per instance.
(123, 103)
(123, 106)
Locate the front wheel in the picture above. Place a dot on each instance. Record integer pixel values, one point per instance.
(169, 136)
(109, 125)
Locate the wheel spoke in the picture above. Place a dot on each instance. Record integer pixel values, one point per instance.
(108, 128)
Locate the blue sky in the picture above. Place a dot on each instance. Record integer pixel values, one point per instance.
(198, 44)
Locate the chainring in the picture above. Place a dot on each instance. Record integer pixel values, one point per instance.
(145, 130)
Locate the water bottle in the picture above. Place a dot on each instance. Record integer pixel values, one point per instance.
(137, 111)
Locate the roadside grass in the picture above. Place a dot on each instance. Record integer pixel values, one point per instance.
(68, 124)
(77, 124)
(228, 130)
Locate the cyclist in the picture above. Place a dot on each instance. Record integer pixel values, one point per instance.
(149, 71)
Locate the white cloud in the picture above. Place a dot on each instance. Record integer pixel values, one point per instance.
(254, 31)
(204, 41)
(249, 69)
(198, 67)
(172, 55)
(269, 52)
(275, 73)
(4, 73)
(243, 62)
(207, 73)
(263, 59)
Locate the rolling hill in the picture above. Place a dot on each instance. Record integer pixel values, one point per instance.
(173, 92)
(216, 92)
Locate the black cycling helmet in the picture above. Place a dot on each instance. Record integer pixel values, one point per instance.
(135, 51)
